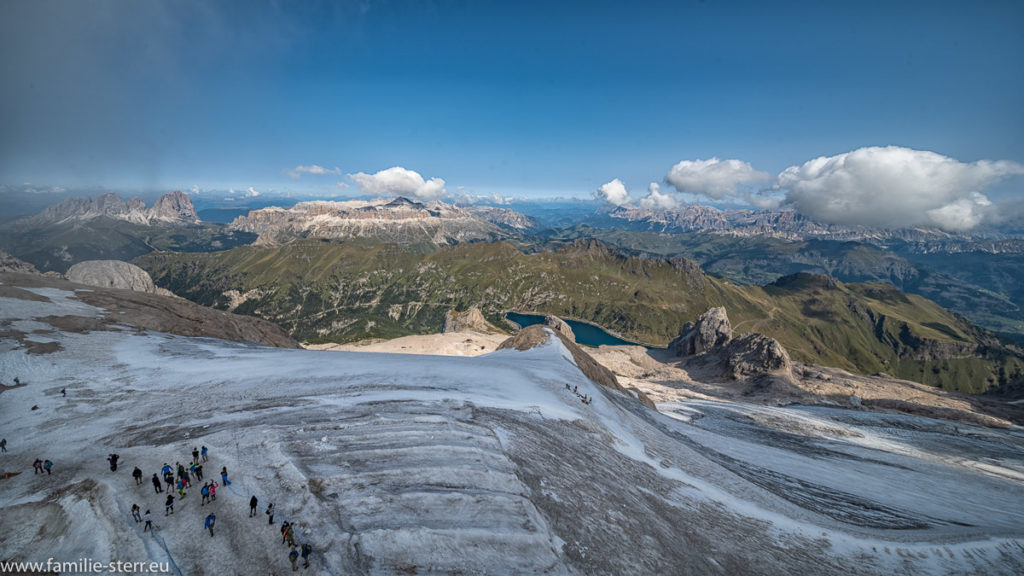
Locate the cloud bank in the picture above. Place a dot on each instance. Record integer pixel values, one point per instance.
(398, 181)
(714, 178)
(894, 187)
(615, 193)
(298, 171)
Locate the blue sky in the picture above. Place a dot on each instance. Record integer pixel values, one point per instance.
(545, 98)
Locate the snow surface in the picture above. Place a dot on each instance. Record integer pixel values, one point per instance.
(397, 464)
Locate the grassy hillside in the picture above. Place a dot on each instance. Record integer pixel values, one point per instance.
(982, 287)
(322, 291)
(58, 247)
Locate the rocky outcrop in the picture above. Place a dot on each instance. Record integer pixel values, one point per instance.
(471, 320)
(711, 329)
(535, 335)
(114, 274)
(711, 339)
(174, 207)
(754, 355)
(559, 325)
(9, 263)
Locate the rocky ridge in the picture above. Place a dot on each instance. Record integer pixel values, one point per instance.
(171, 208)
(399, 220)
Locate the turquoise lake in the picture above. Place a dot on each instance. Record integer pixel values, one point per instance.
(586, 334)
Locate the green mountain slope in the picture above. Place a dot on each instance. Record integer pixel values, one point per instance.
(322, 291)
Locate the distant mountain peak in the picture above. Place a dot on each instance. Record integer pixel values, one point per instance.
(171, 208)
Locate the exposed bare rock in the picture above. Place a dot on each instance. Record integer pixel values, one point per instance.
(559, 325)
(148, 311)
(469, 321)
(708, 345)
(171, 208)
(112, 274)
(535, 335)
(711, 329)
(397, 220)
(174, 207)
(9, 263)
(754, 354)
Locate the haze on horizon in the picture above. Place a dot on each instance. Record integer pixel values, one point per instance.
(866, 113)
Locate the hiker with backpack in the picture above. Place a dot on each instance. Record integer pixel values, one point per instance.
(210, 520)
(195, 455)
(224, 476)
(253, 502)
(307, 549)
(112, 458)
(37, 466)
(47, 465)
(156, 484)
(270, 513)
(135, 513)
(169, 505)
(205, 493)
(203, 452)
(292, 557)
(137, 474)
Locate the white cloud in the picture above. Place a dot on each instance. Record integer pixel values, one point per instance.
(714, 178)
(251, 192)
(614, 193)
(398, 181)
(298, 171)
(656, 200)
(894, 187)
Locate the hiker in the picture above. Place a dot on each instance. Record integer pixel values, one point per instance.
(284, 532)
(192, 470)
(113, 462)
(181, 490)
(270, 512)
(213, 491)
(252, 505)
(64, 392)
(3, 444)
(292, 557)
(169, 480)
(16, 381)
(156, 484)
(137, 474)
(307, 549)
(47, 465)
(199, 472)
(224, 476)
(135, 513)
(205, 493)
(185, 479)
(210, 520)
(149, 522)
(195, 455)
(203, 452)
(169, 505)
(166, 469)
(37, 466)
(290, 534)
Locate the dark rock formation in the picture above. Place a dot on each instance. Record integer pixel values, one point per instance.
(711, 329)
(748, 355)
(469, 321)
(559, 325)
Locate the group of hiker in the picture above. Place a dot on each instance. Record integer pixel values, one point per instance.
(583, 397)
(39, 465)
(180, 477)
